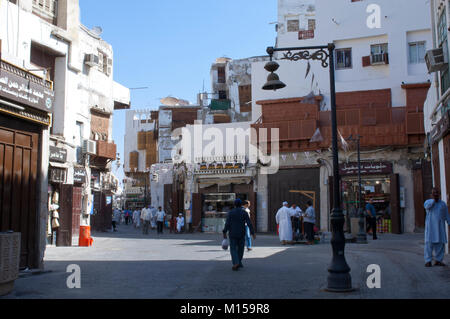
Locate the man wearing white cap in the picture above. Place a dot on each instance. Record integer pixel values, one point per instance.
(283, 219)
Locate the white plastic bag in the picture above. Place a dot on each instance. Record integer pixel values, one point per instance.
(225, 244)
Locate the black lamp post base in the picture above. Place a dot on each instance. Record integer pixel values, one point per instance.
(339, 282)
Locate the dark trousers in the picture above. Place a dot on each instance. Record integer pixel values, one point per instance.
(237, 246)
(309, 229)
(160, 227)
(372, 224)
(145, 227)
(114, 225)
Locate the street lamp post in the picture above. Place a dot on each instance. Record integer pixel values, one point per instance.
(339, 279)
(361, 238)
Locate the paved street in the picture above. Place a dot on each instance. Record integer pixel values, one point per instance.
(128, 264)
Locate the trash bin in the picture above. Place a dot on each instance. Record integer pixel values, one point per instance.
(85, 239)
(9, 261)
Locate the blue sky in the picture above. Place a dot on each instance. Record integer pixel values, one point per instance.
(169, 45)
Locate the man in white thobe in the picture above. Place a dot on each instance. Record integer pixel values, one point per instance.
(435, 233)
(154, 214)
(137, 218)
(283, 219)
(180, 223)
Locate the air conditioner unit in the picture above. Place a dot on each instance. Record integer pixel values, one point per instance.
(91, 60)
(436, 60)
(89, 147)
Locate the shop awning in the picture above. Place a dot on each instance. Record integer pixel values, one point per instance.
(222, 182)
(59, 165)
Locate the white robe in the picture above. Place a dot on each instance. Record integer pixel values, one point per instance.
(180, 223)
(283, 219)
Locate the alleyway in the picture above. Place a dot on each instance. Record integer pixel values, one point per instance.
(128, 264)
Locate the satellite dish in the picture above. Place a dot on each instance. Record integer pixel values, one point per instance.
(97, 30)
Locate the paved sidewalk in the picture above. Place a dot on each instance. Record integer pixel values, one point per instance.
(128, 264)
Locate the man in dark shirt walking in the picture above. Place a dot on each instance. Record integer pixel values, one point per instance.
(235, 226)
(372, 216)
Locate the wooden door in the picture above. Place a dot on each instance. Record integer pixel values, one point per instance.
(64, 233)
(284, 182)
(395, 204)
(436, 165)
(76, 210)
(419, 198)
(196, 211)
(19, 157)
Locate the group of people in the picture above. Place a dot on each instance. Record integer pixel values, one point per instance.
(148, 217)
(286, 215)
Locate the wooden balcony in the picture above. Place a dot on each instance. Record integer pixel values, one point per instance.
(378, 126)
(106, 150)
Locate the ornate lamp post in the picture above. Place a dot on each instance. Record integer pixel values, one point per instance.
(339, 279)
(361, 238)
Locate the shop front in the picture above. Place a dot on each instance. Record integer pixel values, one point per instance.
(379, 184)
(218, 187)
(25, 103)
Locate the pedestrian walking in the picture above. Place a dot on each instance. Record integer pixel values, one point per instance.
(173, 223)
(116, 218)
(435, 230)
(309, 221)
(160, 219)
(235, 224)
(153, 213)
(146, 217)
(137, 218)
(248, 237)
(283, 219)
(180, 223)
(372, 218)
(296, 220)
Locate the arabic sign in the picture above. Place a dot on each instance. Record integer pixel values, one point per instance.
(58, 154)
(25, 88)
(367, 168)
(79, 175)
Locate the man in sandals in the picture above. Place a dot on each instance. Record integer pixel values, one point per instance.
(435, 234)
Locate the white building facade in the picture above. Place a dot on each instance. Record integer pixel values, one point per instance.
(381, 82)
(51, 42)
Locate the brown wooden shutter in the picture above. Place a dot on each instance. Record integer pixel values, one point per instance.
(245, 98)
(134, 160)
(366, 61)
(436, 165)
(395, 204)
(141, 140)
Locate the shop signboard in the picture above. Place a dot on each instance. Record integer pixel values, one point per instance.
(79, 175)
(367, 168)
(25, 88)
(58, 154)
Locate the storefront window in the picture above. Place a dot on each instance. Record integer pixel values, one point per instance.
(373, 187)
